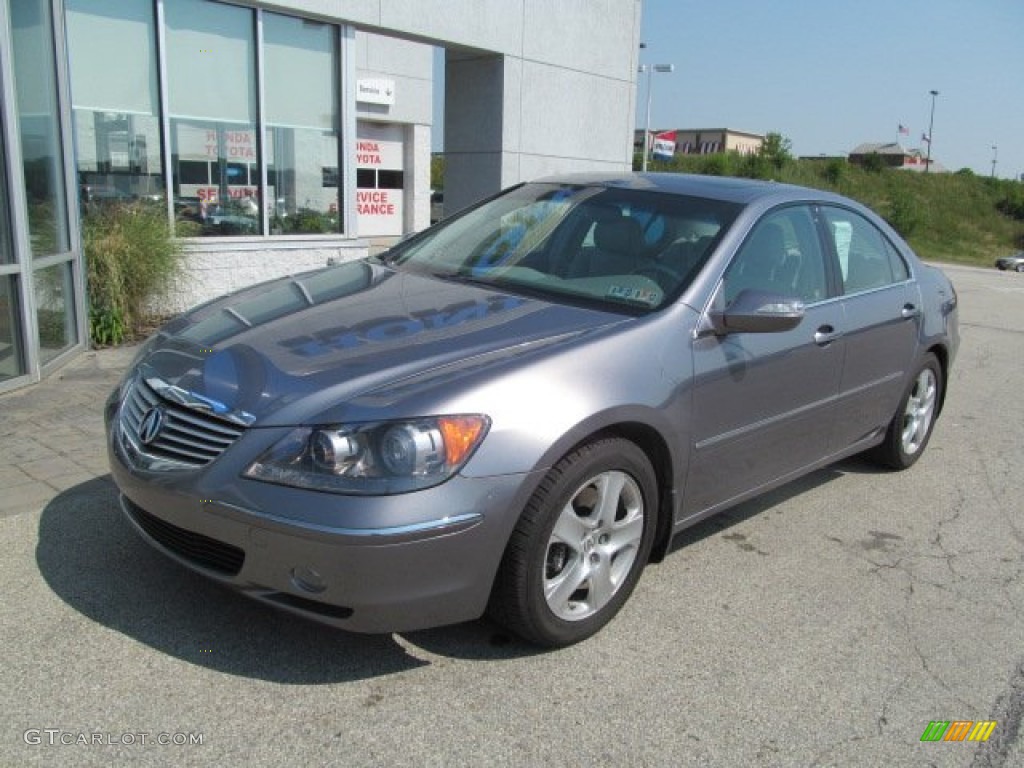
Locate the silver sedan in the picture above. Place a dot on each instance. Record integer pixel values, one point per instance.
(1014, 261)
(515, 411)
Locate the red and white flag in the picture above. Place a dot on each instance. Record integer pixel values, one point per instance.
(665, 145)
(904, 130)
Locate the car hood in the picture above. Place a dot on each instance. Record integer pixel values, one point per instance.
(285, 352)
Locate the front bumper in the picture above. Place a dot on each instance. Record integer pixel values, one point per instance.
(362, 563)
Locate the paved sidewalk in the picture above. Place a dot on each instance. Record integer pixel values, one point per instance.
(52, 432)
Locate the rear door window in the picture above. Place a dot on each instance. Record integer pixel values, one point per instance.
(867, 260)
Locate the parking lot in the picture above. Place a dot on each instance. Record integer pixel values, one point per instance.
(827, 623)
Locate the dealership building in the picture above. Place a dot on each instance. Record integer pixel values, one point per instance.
(278, 137)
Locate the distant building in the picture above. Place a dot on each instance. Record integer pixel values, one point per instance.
(706, 141)
(894, 155)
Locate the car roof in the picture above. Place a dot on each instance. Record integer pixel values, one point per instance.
(736, 190)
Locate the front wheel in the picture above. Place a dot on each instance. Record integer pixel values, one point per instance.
(1019, 268)
(579, 546)
(911, 427)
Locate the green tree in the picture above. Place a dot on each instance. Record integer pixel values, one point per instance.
(437, 171)
(777, 150)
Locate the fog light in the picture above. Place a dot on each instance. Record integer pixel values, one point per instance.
(308, 580)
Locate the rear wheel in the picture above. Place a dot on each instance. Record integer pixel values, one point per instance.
(1019, 268)
(911, 427)
(580, 545)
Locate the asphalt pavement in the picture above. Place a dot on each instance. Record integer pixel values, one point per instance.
(828, 623)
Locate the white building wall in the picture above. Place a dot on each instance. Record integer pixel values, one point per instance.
(214, 269)
(542, 71)
(417, 148)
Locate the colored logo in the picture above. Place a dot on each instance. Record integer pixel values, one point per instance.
(958, 730)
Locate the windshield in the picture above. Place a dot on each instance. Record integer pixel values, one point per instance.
(625, 249)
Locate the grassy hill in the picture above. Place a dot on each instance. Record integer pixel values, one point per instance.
(953, 217)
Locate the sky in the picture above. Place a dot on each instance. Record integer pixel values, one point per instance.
(832, 74)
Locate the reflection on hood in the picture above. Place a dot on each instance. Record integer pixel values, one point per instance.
(329, 335)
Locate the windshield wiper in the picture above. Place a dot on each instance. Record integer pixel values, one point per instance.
(466, 277)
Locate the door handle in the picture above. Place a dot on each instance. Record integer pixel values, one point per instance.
(909, 311)
(825, 335)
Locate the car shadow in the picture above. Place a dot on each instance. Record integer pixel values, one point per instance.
(92, 559)
(726, 519)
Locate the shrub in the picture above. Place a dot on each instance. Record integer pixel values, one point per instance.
(1012, 203)
(755, 167)
(903, 213)
(874, 163)
(834, 172)
(305, 221)
(714, 165)
(131, 257)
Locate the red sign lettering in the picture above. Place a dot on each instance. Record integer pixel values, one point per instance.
(374, 202)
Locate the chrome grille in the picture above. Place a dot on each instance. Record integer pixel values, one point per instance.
(187, 438)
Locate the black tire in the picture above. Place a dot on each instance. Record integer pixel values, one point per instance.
(604, 564)
(912, 424)
(1019, 268)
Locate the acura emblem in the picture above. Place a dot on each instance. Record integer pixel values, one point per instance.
(151, 424)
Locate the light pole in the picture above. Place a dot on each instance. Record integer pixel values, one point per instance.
(931, 124)
(995, 156)
(650, 69)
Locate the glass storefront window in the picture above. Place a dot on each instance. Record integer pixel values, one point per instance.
(301, 101)
(12, 359)
(55, 311)
(215, 130)
(35, 80)
(6, 243)
(211, 81)
(116, 108)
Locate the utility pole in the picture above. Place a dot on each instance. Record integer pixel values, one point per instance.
(931, 125)
(650, 69)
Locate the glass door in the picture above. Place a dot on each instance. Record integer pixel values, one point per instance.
(41, 277)
(12, 355)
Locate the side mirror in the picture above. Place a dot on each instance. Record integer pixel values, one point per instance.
(759, 312)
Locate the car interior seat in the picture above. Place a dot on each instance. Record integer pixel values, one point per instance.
(759, 262)
(617, 245)
(865, 270)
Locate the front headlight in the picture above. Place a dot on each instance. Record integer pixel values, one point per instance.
(378, 458)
